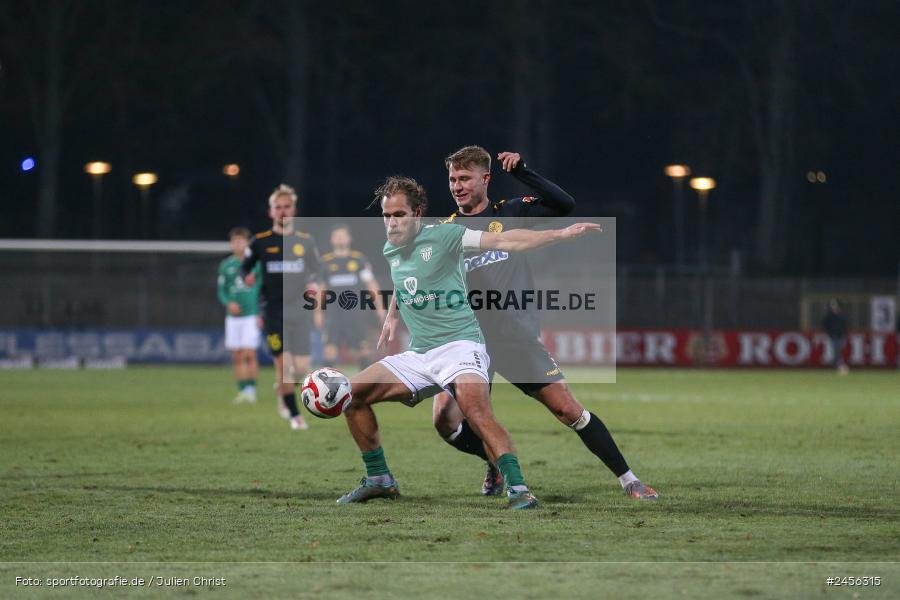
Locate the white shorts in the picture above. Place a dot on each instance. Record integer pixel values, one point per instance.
(241, 333)
(427, 374)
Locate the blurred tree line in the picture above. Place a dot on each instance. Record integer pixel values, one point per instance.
(330, 97)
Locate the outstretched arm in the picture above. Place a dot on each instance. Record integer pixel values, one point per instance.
(517, 240)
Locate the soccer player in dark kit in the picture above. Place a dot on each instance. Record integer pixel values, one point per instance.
(285, 252)
(347, 271)
(512, 337)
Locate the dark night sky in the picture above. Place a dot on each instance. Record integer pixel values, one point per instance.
(599, 96)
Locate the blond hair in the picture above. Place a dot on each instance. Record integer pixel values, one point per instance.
(283, 190)
(469, 156)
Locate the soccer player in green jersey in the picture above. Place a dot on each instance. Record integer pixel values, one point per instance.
(241, 304)
(446, 346)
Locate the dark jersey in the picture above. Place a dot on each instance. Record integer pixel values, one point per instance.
(340, 273)
(505, 271)
(294, 255)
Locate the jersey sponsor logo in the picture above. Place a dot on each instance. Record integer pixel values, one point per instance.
(299, 250)
(485, 258)
(421, 300)
(343, 280)
(411, 284)
(286, 266)
(495, 227)
(426, 253)
(352, 265)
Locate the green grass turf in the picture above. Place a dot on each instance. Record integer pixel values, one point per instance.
(154, 465)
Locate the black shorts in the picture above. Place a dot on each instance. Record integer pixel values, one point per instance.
(524, 363)
(345, 330)
(294, 339)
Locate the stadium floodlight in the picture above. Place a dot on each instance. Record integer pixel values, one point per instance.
(97, 169)
(677, 173)
(144, 180)
(28, 163)
(231, 170)
(703, 184)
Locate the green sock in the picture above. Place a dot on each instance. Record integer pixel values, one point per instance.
(245, 383)
(375, 463)
(509, 466)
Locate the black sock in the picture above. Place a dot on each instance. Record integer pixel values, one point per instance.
(290, 400)
(599, 441)
(468, 441)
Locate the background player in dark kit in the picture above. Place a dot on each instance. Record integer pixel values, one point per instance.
(347, 270)
(282, 250)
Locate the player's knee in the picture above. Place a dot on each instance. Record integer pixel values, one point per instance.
(441, 414)
(446, 424)
(364, 393)
(481, 418)
(559, 400)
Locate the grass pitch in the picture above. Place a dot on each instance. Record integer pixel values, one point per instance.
(770, 482)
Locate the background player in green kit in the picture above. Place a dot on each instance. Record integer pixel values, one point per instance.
(446, 345)
(241, 302)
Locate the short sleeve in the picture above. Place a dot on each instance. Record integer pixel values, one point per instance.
(451, 235)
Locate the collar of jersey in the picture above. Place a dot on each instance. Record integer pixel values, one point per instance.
(489, 209)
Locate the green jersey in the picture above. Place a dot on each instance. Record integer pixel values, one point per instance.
(430, 283)
(231, 287)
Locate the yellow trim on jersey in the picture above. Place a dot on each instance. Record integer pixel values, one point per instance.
(356, 254)
(263, 234)
(327, 256)
(303, 235)
(449, 219)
